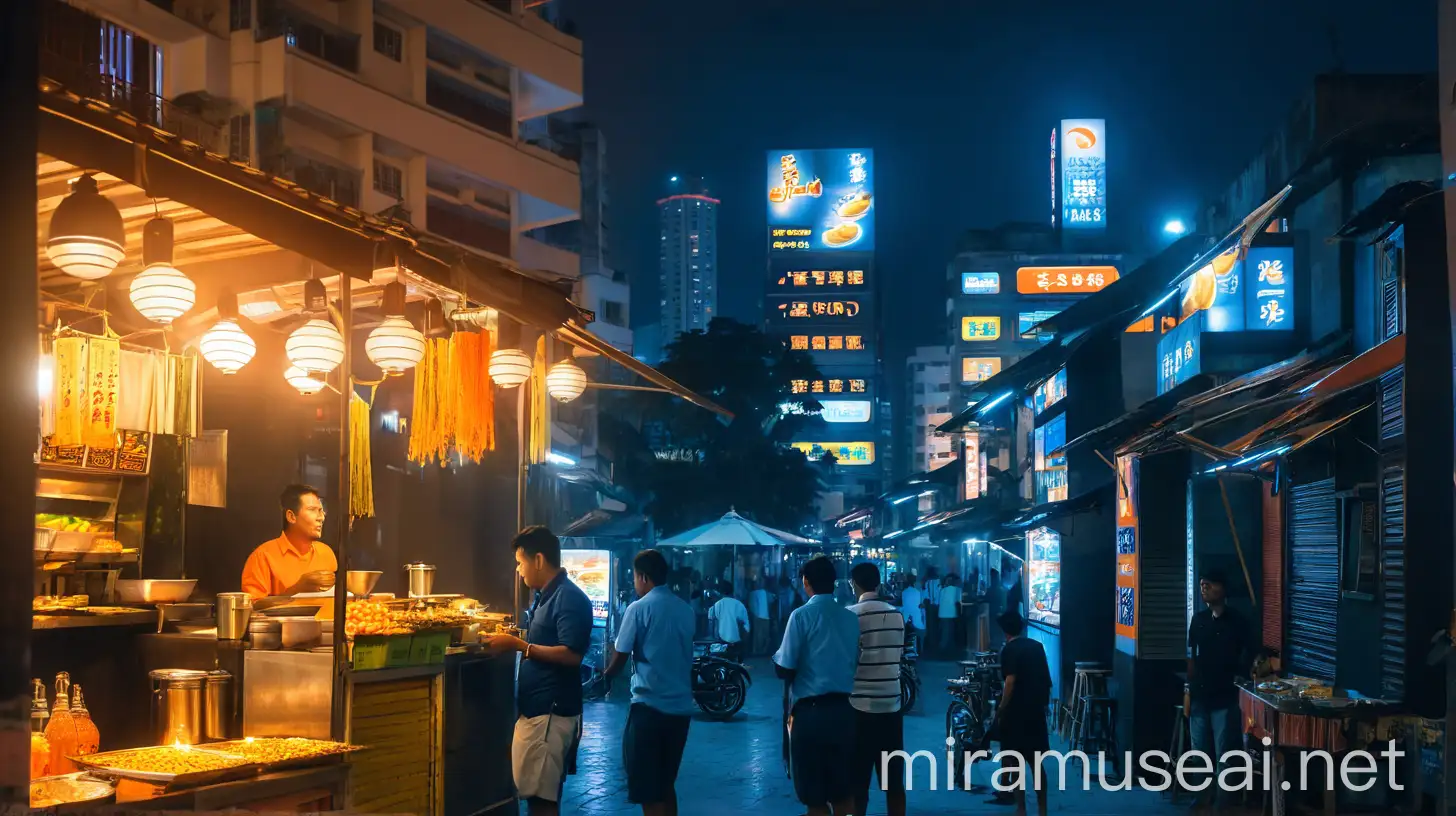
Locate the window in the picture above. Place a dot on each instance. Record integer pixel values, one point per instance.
(389, 41)
(614, 313)
(389, 179)
(240, 138)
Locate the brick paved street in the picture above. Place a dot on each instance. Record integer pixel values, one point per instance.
(735, 767)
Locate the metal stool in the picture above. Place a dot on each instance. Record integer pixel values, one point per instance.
(1090, 679)
(1098, 731)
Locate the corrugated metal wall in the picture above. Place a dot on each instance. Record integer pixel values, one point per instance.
(1314, 579)
(1272, 589)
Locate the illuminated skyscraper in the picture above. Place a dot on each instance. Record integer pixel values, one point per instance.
(688, 257)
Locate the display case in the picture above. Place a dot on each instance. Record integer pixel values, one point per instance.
(1044, 576)
(85, 519)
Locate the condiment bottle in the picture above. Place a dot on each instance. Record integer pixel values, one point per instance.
(61, 730)
(40, 748)
(88, 736)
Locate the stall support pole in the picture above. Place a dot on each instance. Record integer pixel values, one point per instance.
(338, 715)
(522, 467)
(20, 420)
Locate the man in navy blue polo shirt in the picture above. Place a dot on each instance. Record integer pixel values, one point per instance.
(657, 632)
(548, 685)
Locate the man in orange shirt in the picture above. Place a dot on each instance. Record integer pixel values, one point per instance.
(295, 561)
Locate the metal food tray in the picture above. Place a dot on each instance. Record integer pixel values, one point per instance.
(96, 765)
(335, 752)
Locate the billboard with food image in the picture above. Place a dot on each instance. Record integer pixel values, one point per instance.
(591, 571)
(821, 200)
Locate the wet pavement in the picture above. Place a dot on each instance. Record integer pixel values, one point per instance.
(737, 767)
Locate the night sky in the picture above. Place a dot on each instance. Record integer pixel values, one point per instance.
(957, 99)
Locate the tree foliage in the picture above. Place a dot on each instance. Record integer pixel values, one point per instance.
(714, 465)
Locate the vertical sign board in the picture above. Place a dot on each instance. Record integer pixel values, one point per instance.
(1084, 174)
(971, 459)
(1179, 354)
(1269, 289)
(1127, 554)
(1055, 203)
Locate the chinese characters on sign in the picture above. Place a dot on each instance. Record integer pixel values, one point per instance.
(1178, 355)
(979, 369)
(980, 283)
(980, 328)
(1084, 174)
(1269, 289)
(1255, 293)
(822, 277)
(791, 186)
(787, 238)
(1127, 554)
(821, 200)
(826, 342)
(834, 386)
(819, 308)
(1057, 280)
(848, 453)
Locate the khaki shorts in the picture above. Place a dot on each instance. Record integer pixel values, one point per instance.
(538, 754)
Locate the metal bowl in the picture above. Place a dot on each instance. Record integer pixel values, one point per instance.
(70, 790)
(361, 582)
(150, 590)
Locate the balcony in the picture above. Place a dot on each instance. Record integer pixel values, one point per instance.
(474, 106)
(340, 184)
(87, 80)
(464, 226)
(299, 29)
(533, 254)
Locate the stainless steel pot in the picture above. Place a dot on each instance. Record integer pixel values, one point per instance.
(234, 610)
(177, 706)
(217, 705)
(420, 579)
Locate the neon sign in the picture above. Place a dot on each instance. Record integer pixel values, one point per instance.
(980, 328)
(827, 342)
(848, 453)
(1057, 280)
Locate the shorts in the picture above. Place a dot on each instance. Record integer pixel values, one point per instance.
(821, 750)
(540, 749)
(874, 736)
(652, 752)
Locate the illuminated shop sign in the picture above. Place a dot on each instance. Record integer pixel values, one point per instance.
(1051, 391)
(1026, 321)
(1044, 573)
(1127, 558)
(979, 369)
(1255, 293)
(826, 342)
(1059, 280)
(845, 410)
(820, 278)
(848, 453)
(1054, 177)
(821, 200)
(811, 309)
(980, 283)
(980, 328)
(1084, 174)
(837, 386)
(1179, 355)
(971, 456)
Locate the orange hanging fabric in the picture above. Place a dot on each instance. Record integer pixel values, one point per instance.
(540, 440)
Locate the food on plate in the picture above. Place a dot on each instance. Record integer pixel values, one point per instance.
(165, 760)
(269, 750)
(854, 205)
(42, 603)
(843, 234)
(47, 793)
(1316, 692)
(370, 618)
(592, 581)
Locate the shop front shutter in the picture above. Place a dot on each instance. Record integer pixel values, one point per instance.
(1392, 580)
(1271, 594)
(1392, 298)
(1392, 409)
(1314, 580)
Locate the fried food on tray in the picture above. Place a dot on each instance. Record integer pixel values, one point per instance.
(165, 760)
(269, 750)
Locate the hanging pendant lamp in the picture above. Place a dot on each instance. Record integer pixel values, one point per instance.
(306, 383)
(226, 345)
(87, 238)
(161, 293)
(565, 381)
(395, 345)
(509, 367)
(316, 347)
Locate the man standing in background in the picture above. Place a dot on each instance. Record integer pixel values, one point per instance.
(758, 609)
(879, 722)
(949, 609)
(931, 590)
(728, 622)
(912, 606)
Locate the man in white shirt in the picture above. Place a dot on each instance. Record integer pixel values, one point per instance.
(912, 607)
(949, 617)
(728, 621)
(879, 722)
(758, 608)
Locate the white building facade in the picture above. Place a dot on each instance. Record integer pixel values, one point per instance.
(927, 405)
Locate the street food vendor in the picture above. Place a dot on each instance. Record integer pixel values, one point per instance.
(296, 561)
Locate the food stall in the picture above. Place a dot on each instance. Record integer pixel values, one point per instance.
(198, 327)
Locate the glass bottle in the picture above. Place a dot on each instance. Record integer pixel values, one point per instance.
(61, 730)
(88, 736)
(40, 747)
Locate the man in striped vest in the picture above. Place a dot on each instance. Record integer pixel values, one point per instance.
(879, 722)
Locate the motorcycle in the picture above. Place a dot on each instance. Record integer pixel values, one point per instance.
(720, 681)
(909, 673)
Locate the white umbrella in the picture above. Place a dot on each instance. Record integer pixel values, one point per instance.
(735, 531)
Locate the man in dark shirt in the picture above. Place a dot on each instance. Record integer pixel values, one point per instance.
(1220, 648)
(1021, 717)
(548, 685)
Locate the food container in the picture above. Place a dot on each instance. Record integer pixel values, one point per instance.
(151, 590)
(70, 792)
(217, 705)
(234, 611)
(159, 765)
(420, 578)
(361, 582)
(300, 633)
(265, 633)
(177, 707)
(44, 539)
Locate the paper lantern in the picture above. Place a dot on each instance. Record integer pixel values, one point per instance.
(565, 381)
(161, 293)
(300, 379)
(227, 346)
(87, 238)
(509, 367)
(316, 347)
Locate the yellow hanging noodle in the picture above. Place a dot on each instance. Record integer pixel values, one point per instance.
(361, 469)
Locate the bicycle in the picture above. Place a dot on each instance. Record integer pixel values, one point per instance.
(971, 710)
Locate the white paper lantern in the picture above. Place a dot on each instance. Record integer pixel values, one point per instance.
(565, 381)
(305, 383)
(316, 347)
(509, 367)
(161, 293)
(227, 346)
(395, 345)
(87, 237)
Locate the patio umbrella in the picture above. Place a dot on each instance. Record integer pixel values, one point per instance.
(735, 531)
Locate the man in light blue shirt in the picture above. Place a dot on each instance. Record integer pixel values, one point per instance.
(657, 632)
(818, 658)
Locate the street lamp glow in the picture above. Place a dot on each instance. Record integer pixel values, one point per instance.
(673, 179)
(1175, 227)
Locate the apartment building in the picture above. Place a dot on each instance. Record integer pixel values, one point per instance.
(928, 405)
(688, 259)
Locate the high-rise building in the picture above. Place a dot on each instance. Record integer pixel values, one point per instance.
(688, 257)
(927, 405)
